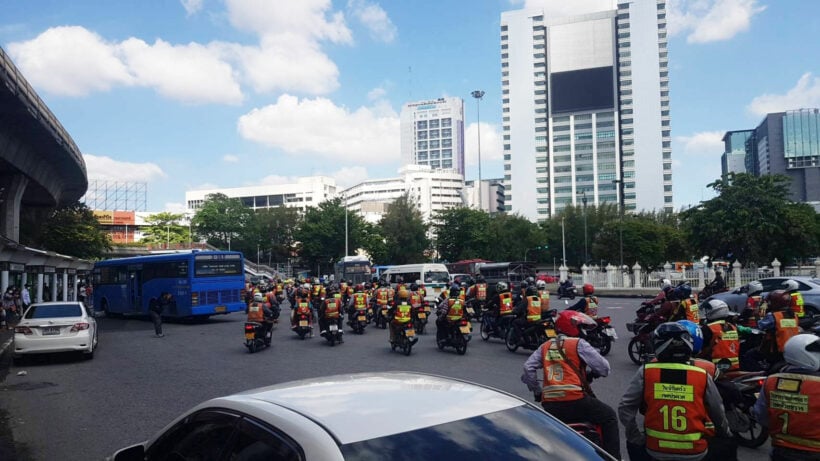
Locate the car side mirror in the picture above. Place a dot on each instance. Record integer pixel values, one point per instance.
(132, 453)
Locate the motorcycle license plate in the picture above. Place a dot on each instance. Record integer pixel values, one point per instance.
(303, 323)
(362, 318)
(422, 315)
(465, 329)
(249, 336)
(550, 332)
(610, 332)
(334, 328)
(410, 333)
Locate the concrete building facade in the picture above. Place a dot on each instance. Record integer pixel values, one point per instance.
(305, 192)
(492, 195)
(733, 159)
(432, 134)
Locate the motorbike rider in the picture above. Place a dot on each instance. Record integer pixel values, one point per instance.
(681, 405)
(589, 303)
(755, 306)
(566, 393)
(382, 296)
(780, 324)
(527, 312)
(448, 310)
(789, 402)
(400, 313)
(680, 305)
(660, 298)
(258, 312)
(500, 306)
(541, 286)
(330, 311)
(415, 300)
(721, 336)
(477, 293)
(301, 300)
(793, 288)
(565, 285)
(357, 301)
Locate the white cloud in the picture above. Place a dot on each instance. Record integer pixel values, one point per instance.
(230, 158)
(349, 176)
(106, 168)
(374, 18)
(708, 143)
(491, 143)
(806, 93)
(711, 20)
(307, 18)
(204, 186)
(319, 127)
(191, 6)
(376, 94)
(276, 180)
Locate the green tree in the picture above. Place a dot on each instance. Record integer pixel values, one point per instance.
(572, 238)
(73, 230)
(461, 233)
(164, 228)
(514, 238)
(752, 220)
(647, 240)
(225, 223)
(274, 230)
(405, 232)
(321, 236)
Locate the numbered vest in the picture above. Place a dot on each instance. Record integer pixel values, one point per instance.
(797, 304)
(415, 300)
(505, 303)
(533, 309)
(784, 328)
(691, 309)
(561, 382)
(794, 411)
(725, 343)
(382, 296)
(255, 312)
(402, 313)
(456, 311)
(753, 303)
(675, 418)
(332, 308)
(481, 291)
(359, 301)
(302, 306)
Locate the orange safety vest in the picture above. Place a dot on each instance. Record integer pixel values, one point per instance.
(343, 287)
(271, 296)
(690, 307)
(592, 306)
(332, 307)
(797, 304)
(255, 312)
(359, 301)
(561, 382)
(725, 343)
(533, 309)
(675, 416)
(383, 296)
(794, 411)
(422, 292)
(506, 307)
(544, 294)
(415, 299)
(302, 306)
(456, 310)
(481, 291)
(706, 365)
(784, 328)
(402, 313)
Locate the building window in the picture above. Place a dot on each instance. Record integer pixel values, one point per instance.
(421, 145)
(421, 124)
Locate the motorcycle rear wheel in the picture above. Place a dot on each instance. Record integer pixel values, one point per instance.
(485, 329)
(606, 345)
(461, 349)
(406, 346)
(754, 437)
(512, 345)
(252, 346)
(636, 350)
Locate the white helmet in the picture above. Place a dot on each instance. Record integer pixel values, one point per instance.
(541, 285)
(259, 297)
(666, 283)
(306, 286)
(790, 285)
(803, 351)
(753, 288)
(717, 310)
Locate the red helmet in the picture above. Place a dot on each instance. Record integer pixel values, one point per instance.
(588, 289)
(779, 300)
(570, 322)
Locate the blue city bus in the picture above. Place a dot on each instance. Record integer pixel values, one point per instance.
(202, 283)
(355, 268)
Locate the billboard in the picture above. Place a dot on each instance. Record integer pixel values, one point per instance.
(115, 218)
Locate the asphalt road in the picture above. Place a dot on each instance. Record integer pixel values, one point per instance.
(67, 408)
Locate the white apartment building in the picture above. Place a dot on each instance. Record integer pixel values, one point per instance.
(432, 134)
(432, 190)
(489, 197)
(305, 192)
(585, 106)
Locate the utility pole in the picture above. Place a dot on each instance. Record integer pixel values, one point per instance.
(563, 243)
(478, 94)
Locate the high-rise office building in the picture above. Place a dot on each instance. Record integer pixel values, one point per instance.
(733, 159)
(432, 134)
(585, 106)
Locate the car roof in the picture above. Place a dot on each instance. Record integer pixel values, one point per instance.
(364, 406)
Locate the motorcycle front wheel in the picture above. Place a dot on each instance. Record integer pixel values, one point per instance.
(754, 437)
(636, 350)
(485, 329)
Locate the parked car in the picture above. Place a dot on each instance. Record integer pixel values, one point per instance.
(55, 327)
(391, 415)
(809, 288)
(460, 277)
(548, 278)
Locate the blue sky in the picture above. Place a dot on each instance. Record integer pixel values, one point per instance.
(196, 94)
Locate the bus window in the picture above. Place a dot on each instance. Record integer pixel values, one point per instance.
(436, 277)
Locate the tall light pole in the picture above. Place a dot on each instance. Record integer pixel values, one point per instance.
(168, 231)
(563, 244)
(346, 253)
(620, 183)
(584, 201)
(478, 94)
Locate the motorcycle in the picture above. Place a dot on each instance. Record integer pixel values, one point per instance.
(474, 309)
(640, 347)
(739, 390)
(588, 430)
(358, 321)
(302, 325)
(458, 335)
(535, 335)
(406, 339)
(381, 315)
(420, 316)
(492, 327)
(333, 334)
(602, 336)
(256, 337)
(567, 292)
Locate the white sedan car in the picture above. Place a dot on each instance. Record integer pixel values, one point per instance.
(368, 416)
(55, 327)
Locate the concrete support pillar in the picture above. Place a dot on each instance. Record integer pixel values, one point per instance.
(667, 270)
(817, 267)
(65, 286)
(54, 286)
(585, 273)
(701, 279)
(636, 272)
(627, 280)
(23, 279)
(39, 288)
(4, 282)
(74, 281)
(776, 267)
(13, 188)
(610, 276)
(736, 266)
(563, 272)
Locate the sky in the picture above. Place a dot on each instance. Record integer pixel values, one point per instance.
(199, 94)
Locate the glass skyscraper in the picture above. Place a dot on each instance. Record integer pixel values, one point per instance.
(585, 106)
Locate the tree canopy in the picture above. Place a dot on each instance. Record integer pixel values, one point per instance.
(74, 231)
(165, 228)
(405, 233)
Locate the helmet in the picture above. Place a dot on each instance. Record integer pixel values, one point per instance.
(717, 310)
(358, 287)
(790, 285)
(402, 292)
(571, 322)
(368, 286)
(532, 291)
(803, 351)
(349, 281)
(683, 291)
(779, 300)
(414, 286)
(463, 284)
(524, 285)
(258, 297)
(666, 284)
(753, 288)
(672, 342)
(454, 290)
(501, 287)
(306, 286)
(531, 280)
(695, 333)
(541, 285)
(588, 289)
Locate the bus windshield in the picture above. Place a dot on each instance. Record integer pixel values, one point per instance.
(436, 277)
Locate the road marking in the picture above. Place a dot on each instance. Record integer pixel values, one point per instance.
(614, 307)
(5, 346)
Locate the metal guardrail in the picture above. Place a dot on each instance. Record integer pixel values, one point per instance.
(37, 108)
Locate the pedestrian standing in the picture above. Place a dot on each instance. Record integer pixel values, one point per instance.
(155, 308)
(26, 296)
(5, 309)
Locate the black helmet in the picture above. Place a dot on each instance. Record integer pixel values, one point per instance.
(414, 286)
(524, 285)
(672, 342)
(532, 291)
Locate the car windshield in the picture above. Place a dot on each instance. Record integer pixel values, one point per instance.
(520, 433)
(436, 277)
(815, 281)
(53, 311)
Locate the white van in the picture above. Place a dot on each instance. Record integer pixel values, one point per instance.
(434, 277)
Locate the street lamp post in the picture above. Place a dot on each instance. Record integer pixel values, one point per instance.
(168, 232)
(584, 201)
(478, 94)
(346, 253)
(620, 183)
